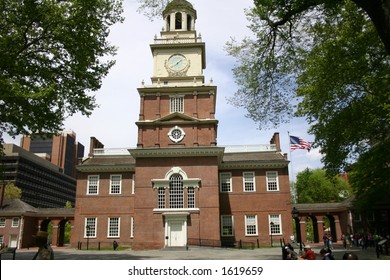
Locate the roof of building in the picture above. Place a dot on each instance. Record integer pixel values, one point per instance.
(179, 4)
(320, 207)
(253, 156)
(17, 207)
(109, 160)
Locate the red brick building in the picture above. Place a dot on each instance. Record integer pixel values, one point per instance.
(178, 187)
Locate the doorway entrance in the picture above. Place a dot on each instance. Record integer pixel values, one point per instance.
(176, 230)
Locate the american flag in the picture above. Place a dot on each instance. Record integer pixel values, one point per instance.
(299, 143)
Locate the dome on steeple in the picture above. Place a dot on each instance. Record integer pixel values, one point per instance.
(181, 5)
(179, 15)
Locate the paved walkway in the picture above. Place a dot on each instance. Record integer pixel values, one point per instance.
(193, 253)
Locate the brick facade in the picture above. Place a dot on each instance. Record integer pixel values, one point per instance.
(171, 189)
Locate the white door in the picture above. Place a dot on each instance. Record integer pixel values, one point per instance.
(176, 237)
(13, 242)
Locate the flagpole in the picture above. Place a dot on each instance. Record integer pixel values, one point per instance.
(291, 168)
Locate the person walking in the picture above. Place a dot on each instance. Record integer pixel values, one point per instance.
(115, 245)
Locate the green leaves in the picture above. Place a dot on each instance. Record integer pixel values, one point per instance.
(53, 55)
(327, 61)
(314, 186)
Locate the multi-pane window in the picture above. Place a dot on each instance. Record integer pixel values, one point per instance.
(272, 181)
(1, 239)
(227, 228)
(93, 184)
(177, 104)
(176, 194)
(275, 224)
(225, 182)
(133, 184)
(113, 227)
(191, 198)
(132, 227)
(2, 222)
(249, 181)
(90, 227)
(161, 198)
(115, 184)
(15, 222)
(250, 224)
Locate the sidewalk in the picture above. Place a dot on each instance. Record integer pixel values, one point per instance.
(193, 253)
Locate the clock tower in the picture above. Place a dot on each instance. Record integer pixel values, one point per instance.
(178, 108)
(176, 159)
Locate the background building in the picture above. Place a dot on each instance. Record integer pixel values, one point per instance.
(61, 150)
(43, 184)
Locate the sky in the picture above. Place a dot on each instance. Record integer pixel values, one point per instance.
(113, 122)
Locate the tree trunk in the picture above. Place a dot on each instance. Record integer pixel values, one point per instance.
(379, 13)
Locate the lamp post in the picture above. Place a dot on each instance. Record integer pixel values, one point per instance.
(87, 228)
(271, 228)
(295, 215)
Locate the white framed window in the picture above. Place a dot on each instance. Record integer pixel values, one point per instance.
(275, 224)
(90, 227)
(191, 198)
(177, 104)
(161, 198)
(93, 185)
(115, 184)
(15, 222)
(176, 134)
(131, 227)
(176, 193)
(2, 222)
(225, 182)
(113, 227)
(133, 184)
(227, 225)
(1, 239)
(249, 181)
(251, 225)
(272, 180)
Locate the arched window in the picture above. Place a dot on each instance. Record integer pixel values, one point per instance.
(176, 194)
(178, 21)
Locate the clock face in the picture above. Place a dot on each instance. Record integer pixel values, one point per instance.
(177, 62)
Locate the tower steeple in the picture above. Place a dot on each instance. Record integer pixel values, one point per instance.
(179, 15)
(178, 109)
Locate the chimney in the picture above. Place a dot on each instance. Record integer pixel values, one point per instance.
(275, 140)
(94, 144)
